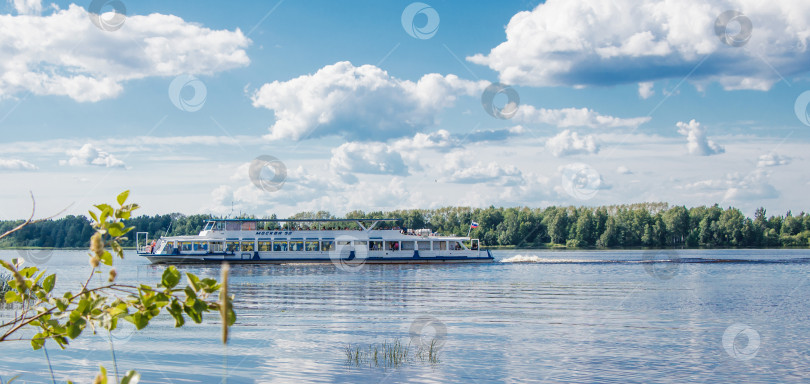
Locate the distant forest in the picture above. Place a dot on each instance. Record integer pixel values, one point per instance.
(622, 226)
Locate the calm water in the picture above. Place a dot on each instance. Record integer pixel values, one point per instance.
(608, 317)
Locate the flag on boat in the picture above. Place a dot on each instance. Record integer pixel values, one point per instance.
(474, 225)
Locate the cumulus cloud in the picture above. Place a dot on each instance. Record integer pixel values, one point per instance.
(753, 186)
(16, 165)
(27, 7)
(362, 103)
(64, 53)
(772, 160)
(593, 42)
(570, 143)
(645, 90)
(574, 117)
(457, 169)
(89, 154)
(370, 158)
(440, 140)
(622, 170)
(697, 142)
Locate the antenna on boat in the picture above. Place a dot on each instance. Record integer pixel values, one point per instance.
(231, 213)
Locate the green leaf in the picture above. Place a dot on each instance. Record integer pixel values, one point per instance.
(38, 341)
(171, 277)
(132, 377)
(176, 310)
(193, 281)
(75, 328)
(12, 297)
(139, 319)
(103, 374)
(114, 230)
(106, 258)
(93, 215)
(49, 282)
(122, 197)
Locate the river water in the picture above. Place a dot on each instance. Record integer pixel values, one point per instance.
(709, 316)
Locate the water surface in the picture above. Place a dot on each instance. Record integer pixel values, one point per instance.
(591, 316)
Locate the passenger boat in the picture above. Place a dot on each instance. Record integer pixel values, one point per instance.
(307, 241)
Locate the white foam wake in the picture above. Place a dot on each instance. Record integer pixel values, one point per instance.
(522, 259)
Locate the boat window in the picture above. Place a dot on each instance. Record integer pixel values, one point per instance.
(327, 245)
(200, 246)
(186, 245)
(232, 226)
(423, 245)
(361, 244)
(280, 246)
(392, 245)
(249, 226)
(209, 226)
(265, 246)
(232, 246)
(407, 245)
(456, 245)
(247, 246)
(312, 245)
(440, 245)
(216, 246)
(296, 245)
(375, 245)
(219, 226)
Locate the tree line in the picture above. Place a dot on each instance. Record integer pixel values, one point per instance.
(617, 226)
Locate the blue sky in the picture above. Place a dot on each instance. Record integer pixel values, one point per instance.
(365, 116)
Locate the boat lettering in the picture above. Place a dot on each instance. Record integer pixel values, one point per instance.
(271, 233)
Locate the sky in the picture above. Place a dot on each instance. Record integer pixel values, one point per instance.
(263, 107)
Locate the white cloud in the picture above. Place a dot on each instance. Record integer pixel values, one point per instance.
(27, 7)
(440, 140)
(570, 143)
(16, 165)
(362, 103)
(64, 53)
(89, 154)
(574, 117)
(697, 142)
(622, 170)
(456, 169)
(772, 160)
(753, 186)
(645, 89)
(371, 158)
(593, 42)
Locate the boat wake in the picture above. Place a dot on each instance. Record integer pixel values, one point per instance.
(523, 259)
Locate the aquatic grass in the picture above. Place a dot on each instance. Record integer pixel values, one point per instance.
(429, 353)
(390, 354)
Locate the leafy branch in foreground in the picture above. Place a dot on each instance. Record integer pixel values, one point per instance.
(63, 316)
